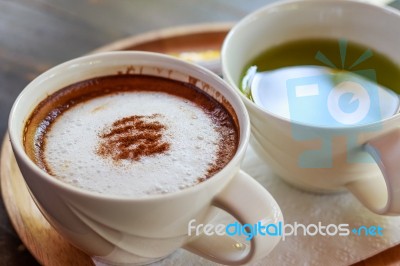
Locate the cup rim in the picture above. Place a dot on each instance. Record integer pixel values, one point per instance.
(238, 107)
(250, 17)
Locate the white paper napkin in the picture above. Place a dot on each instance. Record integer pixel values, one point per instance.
(302, 207)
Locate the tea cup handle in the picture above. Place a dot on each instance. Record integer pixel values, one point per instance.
(382, 195)
(249, 202)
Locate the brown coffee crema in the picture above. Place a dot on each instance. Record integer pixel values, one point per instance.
(135, 136)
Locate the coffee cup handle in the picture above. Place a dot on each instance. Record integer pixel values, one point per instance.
(382, 195)
(249, 202)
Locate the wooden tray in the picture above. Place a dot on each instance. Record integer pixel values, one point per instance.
(199, 43)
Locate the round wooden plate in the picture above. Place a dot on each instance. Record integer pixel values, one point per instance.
(199, 43)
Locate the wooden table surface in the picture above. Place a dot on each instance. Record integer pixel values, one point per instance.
(38, 34)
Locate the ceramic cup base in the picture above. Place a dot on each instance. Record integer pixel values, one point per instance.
(293, 182)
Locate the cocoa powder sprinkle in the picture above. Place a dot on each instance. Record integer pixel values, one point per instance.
(132, 138)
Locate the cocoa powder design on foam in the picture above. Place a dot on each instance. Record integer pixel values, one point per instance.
(132, 138)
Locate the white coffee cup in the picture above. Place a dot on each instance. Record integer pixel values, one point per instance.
(282, 143)
(120, 230)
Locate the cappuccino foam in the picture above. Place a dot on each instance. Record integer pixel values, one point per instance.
(72, 145)
(133, 142)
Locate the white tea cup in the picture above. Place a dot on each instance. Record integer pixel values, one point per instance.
(129, 230)
(308, 156)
